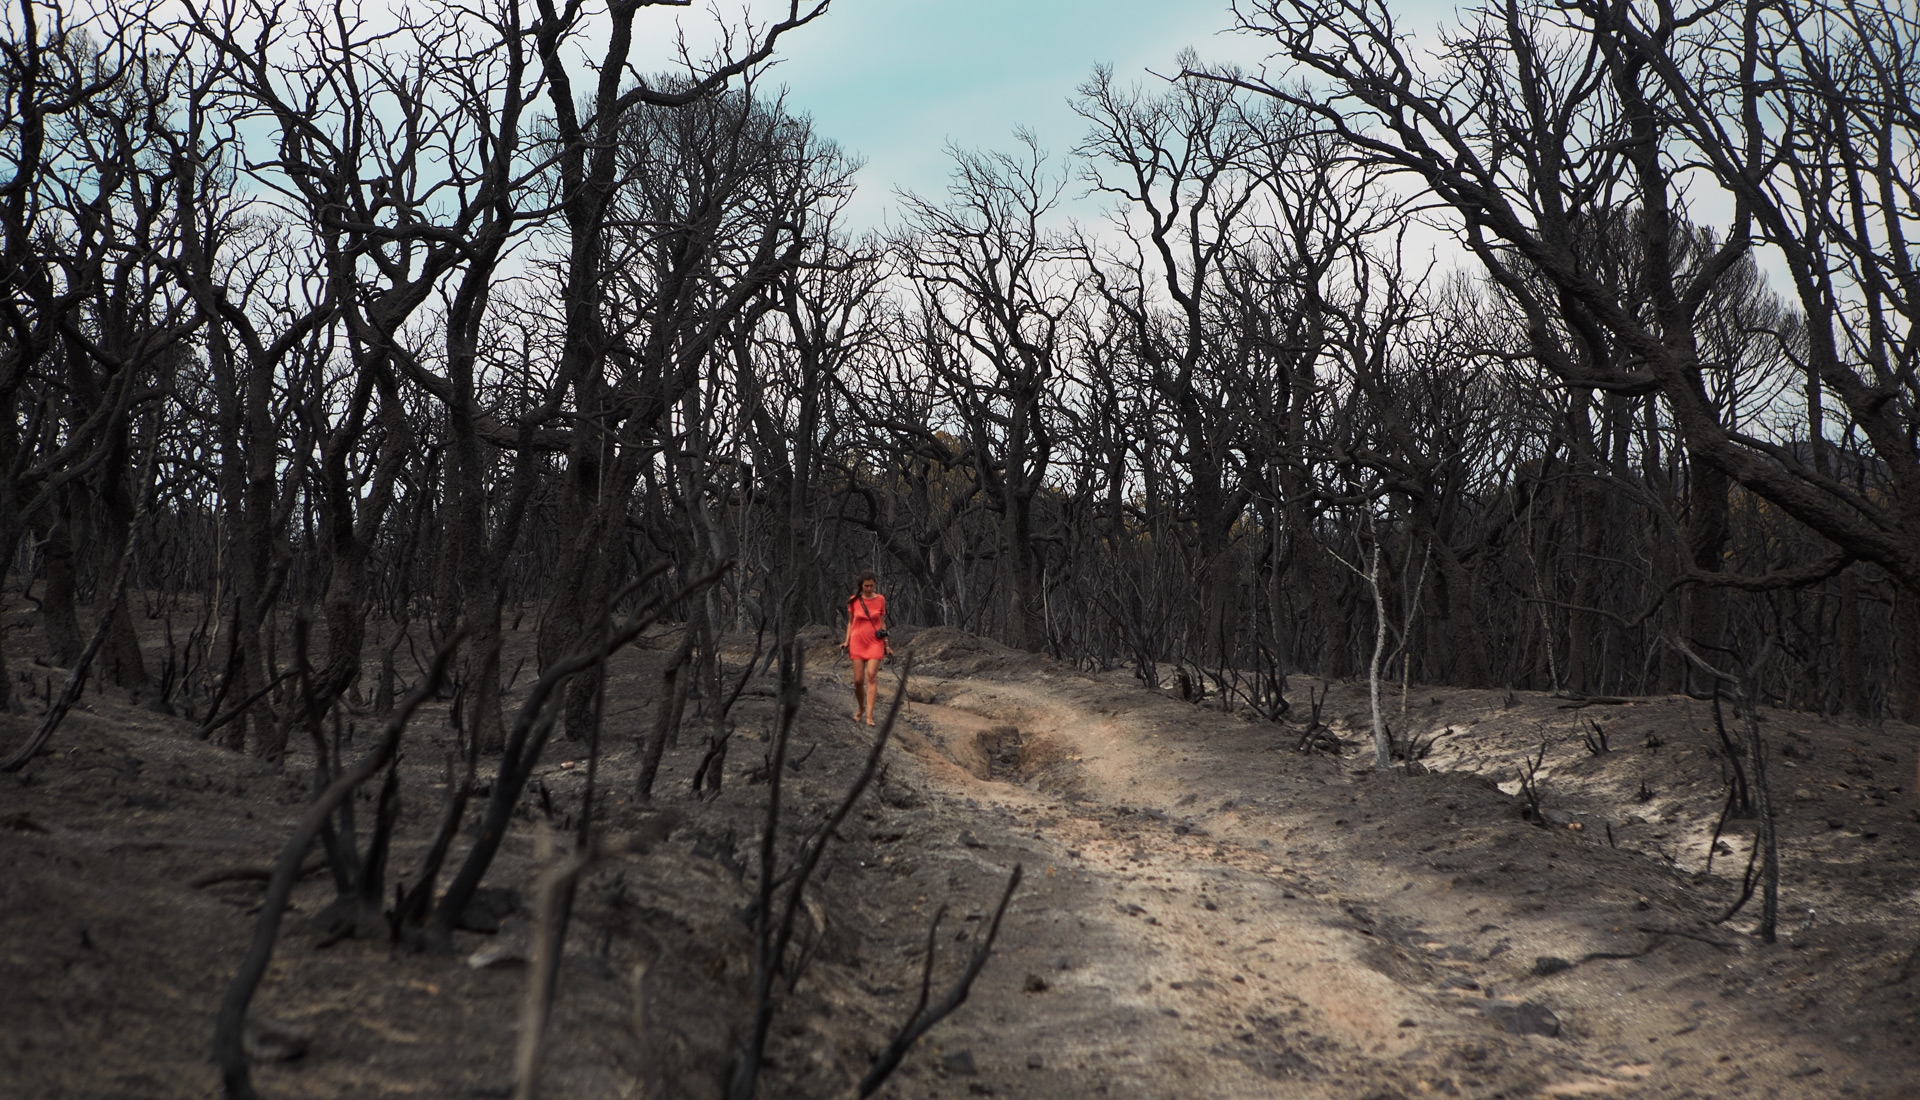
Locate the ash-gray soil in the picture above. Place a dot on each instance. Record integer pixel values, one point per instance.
(1208, 909)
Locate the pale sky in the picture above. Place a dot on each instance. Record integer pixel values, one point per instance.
(894, 81)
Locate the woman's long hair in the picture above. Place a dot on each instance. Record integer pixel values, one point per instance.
(859, 581)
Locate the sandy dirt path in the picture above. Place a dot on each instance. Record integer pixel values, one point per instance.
(1215, 914)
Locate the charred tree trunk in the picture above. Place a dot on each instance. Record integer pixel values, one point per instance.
(248, 447)
(1455, 601)
(1853, 672)
(470, 558)
(1025, 618)
(1584, 627)
(1905, 687)
(1707, 515)
(59, 611)
(120, 654)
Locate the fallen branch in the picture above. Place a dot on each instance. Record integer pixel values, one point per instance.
(529, 738)
(549, 932)
(77, 676)
(1701, 936)
(924, 1018)
(258, 873)
(229, 1053)
(1598, 701)
(1659, 937)
(1530, 785)
(214, 722)
(771, 940)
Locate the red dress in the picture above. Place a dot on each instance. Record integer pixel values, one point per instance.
(861, 644)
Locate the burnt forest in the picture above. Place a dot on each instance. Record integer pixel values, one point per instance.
(1399, 558)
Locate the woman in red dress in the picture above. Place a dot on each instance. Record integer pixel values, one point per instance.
(866, 642)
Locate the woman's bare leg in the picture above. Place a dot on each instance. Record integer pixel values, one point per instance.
(873, 687)
(859, 688)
